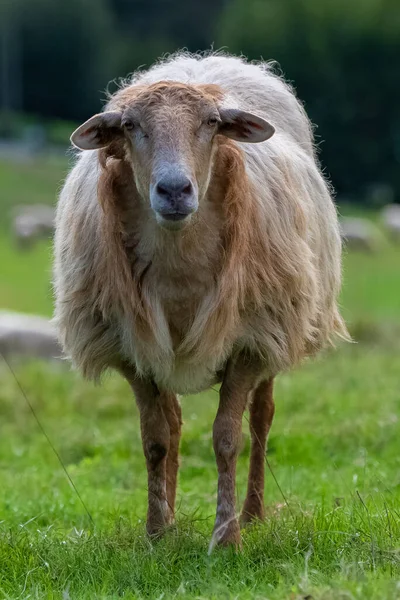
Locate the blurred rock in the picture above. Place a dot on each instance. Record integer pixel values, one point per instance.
(359, 234)
(32, 223)
(391, 220)
(28, 336)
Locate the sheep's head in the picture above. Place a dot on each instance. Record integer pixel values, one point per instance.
(169, 129)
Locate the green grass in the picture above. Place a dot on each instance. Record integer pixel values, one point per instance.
(333, 500)
(333, 449)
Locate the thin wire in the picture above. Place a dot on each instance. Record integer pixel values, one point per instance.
(270, 468)
(268, 464)
(278, 486)
(47, 437)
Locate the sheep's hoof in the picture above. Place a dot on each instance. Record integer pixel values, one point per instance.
(251, 513)
(228, 535)
(158, 524)
(155, 529)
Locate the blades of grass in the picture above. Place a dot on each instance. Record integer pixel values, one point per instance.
(47, 437)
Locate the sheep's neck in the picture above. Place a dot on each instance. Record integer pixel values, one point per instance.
(176, 269)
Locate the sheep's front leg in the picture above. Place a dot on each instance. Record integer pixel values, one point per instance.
(156, 442)
(241, 376)
(173, 413)
(262, 410)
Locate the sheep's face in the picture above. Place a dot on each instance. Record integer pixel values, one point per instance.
(169, 129)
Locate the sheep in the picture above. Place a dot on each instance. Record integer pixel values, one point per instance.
(197, 242)
(32, 223)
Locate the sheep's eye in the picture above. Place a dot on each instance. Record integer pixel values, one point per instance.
(129, 125)
(212, 121)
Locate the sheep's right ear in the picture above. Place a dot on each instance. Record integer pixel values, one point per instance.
(99, 131)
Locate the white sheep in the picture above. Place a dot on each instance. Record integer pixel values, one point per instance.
(197, 241)
(31, 223)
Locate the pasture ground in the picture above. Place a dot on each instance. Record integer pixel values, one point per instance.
(332, 490)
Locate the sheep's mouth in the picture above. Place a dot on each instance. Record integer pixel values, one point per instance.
(174, 220)
(175, 216)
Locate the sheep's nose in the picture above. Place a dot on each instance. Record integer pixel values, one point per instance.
(173, 190)
(174, 198)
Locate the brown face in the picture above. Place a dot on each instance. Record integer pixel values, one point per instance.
(170, 129)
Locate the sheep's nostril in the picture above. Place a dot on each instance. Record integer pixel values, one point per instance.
(174, 188)
(162, 191)
(187, 189)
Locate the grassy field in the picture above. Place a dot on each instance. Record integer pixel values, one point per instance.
(332, 489)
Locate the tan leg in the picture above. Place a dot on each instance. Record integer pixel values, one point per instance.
(239, 380)
(262, 411)
(156, 443)
(173, 413)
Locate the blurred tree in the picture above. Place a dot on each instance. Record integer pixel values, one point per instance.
(149, 29)
(10, 60)
(188, 24)
(71, 50)
(343, 58)
(58, 55)
(65, 55)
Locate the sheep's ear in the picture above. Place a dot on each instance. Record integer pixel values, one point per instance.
(243, 126)
(99, 131)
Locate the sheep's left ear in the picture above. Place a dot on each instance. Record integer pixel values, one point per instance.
(98, 131)
(243, 126)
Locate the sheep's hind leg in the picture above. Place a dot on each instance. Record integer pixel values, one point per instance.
(240, 379)
(156, 442)
(262, 410)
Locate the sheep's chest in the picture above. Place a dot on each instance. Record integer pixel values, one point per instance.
(179, 283)
(180, 294)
